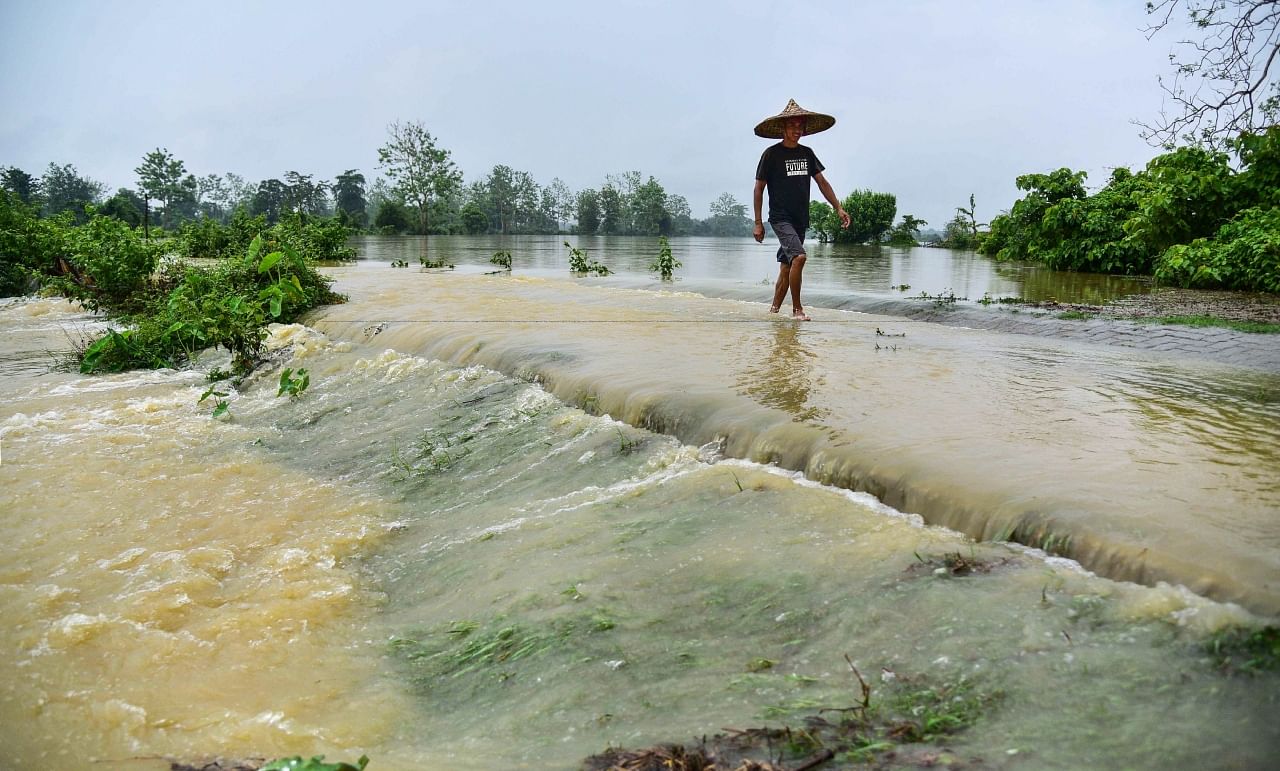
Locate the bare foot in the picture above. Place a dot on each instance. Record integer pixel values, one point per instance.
(799, 315)
(774, 308)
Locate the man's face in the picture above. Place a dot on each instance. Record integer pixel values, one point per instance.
(793, 129)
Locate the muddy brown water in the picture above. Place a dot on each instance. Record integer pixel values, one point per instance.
(517, 519)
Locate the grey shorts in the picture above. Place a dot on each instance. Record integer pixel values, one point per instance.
(792, 243)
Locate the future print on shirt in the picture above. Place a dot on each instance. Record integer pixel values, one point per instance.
(798, 167)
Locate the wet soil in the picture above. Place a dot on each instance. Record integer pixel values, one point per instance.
(1171, 301)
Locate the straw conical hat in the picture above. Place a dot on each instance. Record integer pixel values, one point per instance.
(771, 128)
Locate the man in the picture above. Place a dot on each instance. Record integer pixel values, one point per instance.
(785, 168)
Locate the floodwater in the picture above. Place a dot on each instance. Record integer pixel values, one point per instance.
(516, 519)
(871, 271)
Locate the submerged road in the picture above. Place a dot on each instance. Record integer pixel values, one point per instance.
(1142, 462)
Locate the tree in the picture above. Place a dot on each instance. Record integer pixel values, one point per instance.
(907, 232)
(562, 201)
(1222, 85)
(125, 205)
(21, 184)
(822, 221)
(474, 221)
(588, 213)
(649, 210)
(871, 214)
(161, 176)
(65, 190)
(213, 196)
(611, 211)
(349, 198)
(973, 220)
(269, 199)
(421, 171)
(680, 214)
(728, 217)
(392, 217)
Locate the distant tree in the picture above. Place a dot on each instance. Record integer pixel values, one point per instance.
(125, 205)
(21, 184)
(729, 217)
(269, 200)
(971, 214)
(611, 211)
(649, 210)
(65, 190)
(474, 221)
(958, 234)
(392, 217)
(680, 214)
(349, 198)
(379, 192)
(1223, 84)
(588, 212)
(239, 192)
(907, 232)
(498, 198)
(303, 194)
(161, 177)
(213, 197)
(562, 201)
(822, 221)
(421, 171)
(871, 213)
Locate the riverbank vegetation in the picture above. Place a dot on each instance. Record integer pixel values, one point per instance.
(1191, 218)
(162, 309)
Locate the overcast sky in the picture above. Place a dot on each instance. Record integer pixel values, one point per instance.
(934, 99)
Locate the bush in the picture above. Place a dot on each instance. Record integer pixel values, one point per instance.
(228, 306)
(30, 247)
(1244, 254)
(114, 264)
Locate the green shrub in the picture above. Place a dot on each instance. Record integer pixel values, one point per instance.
(30, 247)
(114, 262)
(228, 305)
(1244, 254)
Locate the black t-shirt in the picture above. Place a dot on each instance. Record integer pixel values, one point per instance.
(787, 171)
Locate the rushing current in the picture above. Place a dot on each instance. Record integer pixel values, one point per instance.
(519, 518)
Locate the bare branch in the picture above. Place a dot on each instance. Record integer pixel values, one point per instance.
(1222, 85)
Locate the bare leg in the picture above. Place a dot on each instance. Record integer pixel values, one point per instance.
(795, 276)
(780, 288)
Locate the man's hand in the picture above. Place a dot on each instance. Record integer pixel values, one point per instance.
(844, 218)
(758, 231)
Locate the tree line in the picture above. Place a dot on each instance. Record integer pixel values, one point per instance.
(420, 191)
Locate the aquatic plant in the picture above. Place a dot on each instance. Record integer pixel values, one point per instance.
(220, 404)
(665, 263)
(435, 264)
(399, 263)
(502, 260)
(293, 386)
(578, 262)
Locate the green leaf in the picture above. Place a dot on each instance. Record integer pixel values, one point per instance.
(270, 261)
(276, 306)
(220, 409)
(255, 247)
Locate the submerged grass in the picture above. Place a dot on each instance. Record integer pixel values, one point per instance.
(1253, 327)
(1245, 651)
(901, 727)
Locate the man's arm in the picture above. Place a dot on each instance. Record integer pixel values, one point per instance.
(828, 194)
(757, 200)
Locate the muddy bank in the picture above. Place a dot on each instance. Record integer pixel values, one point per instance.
(1171, 301)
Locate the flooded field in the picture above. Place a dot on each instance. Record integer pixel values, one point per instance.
(518, 519)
